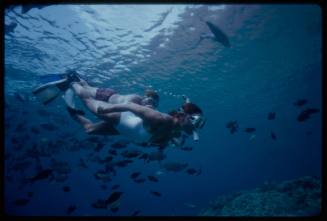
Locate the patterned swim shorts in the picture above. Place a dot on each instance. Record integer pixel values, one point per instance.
(103, 94)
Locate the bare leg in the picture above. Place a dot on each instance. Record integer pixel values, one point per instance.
(86, 123)
(83, 90)
(93, 105)
(100, 128)
(87, 95)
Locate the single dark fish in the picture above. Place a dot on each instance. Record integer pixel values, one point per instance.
(164, 146)
(30, 194)
(232, 124)
(114, 210)
(106, 160)
(20, 127)
(102, 175)
(156, 156)
(153, 179)
(273, 136)
(42, 175)
(121, 163)
(49, 126)
(113, 152)
(233, 130)
(35, 130)
(82, 163)
(21, 202)
(131, 153)
(14, 140)
(144, 156)
(140, 180)
(70, 209)
(114, 187)
(309, 133)
(250, 129)
(174, 166)
(19, 97)
(191, 171)
(312, 110)
(113, 197)
(303, 116)
(110, 168)
(128, 161)
(300, 102)
(99, 204)
(135, 175)
(219, 34)
(98, 147)
(271, 115)
(156, 193)
(136, 212)
(187, 148)
(66, 188)
(119, 145)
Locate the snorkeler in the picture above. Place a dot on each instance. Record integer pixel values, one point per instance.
(143, 124)
(134, 118)
(138, 120)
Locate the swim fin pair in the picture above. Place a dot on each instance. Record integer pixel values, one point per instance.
(53, 85)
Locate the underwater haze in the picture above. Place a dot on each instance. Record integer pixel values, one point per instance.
(255, 71)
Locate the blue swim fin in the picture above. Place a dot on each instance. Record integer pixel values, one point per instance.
(51, 78)
(68, 97)
(52, 85)
(47, 94)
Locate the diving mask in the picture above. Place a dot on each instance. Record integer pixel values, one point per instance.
(197, 121)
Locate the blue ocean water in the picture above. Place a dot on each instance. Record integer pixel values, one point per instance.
(274, 60)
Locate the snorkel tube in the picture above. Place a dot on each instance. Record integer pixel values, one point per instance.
(195, 135)
(186, 99)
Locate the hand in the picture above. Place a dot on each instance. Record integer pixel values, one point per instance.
(186, 99)
(100, 110)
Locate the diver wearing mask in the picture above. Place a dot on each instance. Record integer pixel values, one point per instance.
(193, 120)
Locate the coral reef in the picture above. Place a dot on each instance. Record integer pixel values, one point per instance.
(300, 197)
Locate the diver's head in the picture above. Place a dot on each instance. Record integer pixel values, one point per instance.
(151, 98)
(194, 117)
(182, 121)
(189, 117)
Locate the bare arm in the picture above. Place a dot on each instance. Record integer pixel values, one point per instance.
(139, 110)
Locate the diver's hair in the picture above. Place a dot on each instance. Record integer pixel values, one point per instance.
(190, 108)
(151, 93)
(177, 114)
